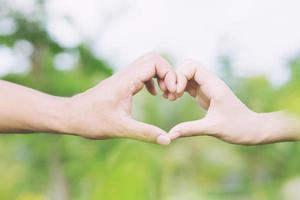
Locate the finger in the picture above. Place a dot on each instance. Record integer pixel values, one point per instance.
(148, 133)
(170, 81)
(150, 87)
(154, 65)
(162, 85)
(185, 78)
(181, 83)
(145, 68)
(179, 95)
(202, 99)
(166, 95)
(187, 70)
(162, 67)
(192, 91)
(186, 129)
(171, 97)
(211, 86)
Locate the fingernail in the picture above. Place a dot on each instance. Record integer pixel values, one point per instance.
(173, 88)
(178, 90)
(163, 140)
(171, 97)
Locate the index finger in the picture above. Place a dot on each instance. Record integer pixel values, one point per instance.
(150, 66)
(210, 84)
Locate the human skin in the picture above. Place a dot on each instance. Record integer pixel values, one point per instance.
(104, 111)
(101, 112)
(227, 118)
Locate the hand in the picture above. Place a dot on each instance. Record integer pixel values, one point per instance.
(105, 110)
(227, 117)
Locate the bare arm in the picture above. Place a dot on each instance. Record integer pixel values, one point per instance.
(101, 112)
(27, 110)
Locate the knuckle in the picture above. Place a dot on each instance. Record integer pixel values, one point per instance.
(188, 70)
(189, 61)
(193, 64)
(150, 56)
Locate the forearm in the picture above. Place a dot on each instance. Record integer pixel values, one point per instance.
(280, 126)
(26, 110)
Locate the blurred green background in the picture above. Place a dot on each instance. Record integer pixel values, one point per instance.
(42, 166)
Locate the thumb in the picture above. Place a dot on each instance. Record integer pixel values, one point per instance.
(191, 128)
(146, 132)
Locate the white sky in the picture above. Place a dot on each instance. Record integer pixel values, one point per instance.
(261, 35)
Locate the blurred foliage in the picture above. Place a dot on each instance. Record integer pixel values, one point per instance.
(41, 166)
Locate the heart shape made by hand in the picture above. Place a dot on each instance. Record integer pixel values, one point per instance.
(107, 106)
(212, 94)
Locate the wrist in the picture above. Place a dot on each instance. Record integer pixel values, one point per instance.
(54, 115)
(278, 127)
(70, 119)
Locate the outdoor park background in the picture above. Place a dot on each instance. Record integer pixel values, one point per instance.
(62, 51)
